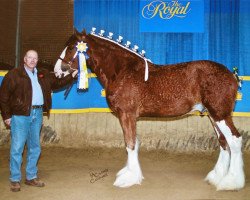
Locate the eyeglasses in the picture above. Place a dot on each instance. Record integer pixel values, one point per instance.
(31, 58)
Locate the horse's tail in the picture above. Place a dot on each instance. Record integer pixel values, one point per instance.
(235, 71)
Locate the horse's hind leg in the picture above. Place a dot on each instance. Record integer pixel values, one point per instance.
(221, 168)
(234, 179)
(131, 174)
(228, 172)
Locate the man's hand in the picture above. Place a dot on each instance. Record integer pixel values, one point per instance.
(7, 121)
(74, 73)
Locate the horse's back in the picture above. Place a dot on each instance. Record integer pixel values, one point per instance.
(201, 73)
(174, 89)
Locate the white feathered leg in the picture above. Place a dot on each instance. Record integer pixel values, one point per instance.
(235, 178)
(131, 174)
(220, 169)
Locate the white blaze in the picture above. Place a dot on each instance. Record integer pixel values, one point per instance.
(57, 69)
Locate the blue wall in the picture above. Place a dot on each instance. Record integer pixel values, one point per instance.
(226, 38)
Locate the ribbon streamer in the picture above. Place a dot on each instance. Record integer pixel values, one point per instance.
(146, 70)
(82, 82)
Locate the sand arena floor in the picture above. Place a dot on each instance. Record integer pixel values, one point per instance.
(78, 174)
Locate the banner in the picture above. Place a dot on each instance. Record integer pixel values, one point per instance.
(171, 16)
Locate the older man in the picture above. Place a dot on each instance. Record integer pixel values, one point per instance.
(24, 94)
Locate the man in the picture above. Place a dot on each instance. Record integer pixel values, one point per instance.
(25, 93)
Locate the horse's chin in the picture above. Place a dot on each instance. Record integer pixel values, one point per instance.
(58, 69)
(60, 73)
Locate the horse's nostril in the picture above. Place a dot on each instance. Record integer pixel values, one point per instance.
(64, 68)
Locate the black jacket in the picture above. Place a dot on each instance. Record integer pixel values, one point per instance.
(16, 91)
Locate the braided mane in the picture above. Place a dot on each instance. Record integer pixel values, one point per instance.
(109, 43)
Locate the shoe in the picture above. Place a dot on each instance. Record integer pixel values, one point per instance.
(34, 182)
(15, 186)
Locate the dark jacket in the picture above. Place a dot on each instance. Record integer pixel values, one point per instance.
(16, 91)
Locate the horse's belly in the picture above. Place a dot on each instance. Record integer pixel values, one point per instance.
(166, 108)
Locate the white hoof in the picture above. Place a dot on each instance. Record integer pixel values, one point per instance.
(213, 178)
(231, 182)
(126, 177)
(122, 171)
(221, 168)
(131, 174)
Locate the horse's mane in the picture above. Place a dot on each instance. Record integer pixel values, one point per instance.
(110, 44)
(6, 66)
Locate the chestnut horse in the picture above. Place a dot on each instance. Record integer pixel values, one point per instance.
(169, 91)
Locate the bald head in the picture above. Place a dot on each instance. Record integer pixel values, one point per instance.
(31, 59)
(33, 52)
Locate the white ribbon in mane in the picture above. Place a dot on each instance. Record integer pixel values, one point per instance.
(146, 69)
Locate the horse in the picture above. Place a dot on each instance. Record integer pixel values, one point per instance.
(5, 66)
(136, 87)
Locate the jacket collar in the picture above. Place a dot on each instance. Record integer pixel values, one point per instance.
(23, 72)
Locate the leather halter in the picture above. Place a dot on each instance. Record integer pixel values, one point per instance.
(69, 63)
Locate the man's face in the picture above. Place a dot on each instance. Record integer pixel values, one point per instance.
(31, 59)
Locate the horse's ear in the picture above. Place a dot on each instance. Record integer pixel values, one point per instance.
(77, 34)
(76, 31)
(84, 32)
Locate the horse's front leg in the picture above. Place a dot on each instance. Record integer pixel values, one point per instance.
(131, 174)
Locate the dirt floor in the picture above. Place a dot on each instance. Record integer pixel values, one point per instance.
(78, 174)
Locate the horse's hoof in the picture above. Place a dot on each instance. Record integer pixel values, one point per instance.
(122, 171)
(231, 182)
(126, 178)
(213, 178)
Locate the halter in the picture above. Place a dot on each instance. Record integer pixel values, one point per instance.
(81, 54)
(69, 63)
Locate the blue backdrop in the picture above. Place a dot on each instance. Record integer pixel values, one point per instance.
(226, 36)
(172, 16)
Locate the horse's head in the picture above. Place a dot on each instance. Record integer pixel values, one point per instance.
(106, 57)
(68, 61)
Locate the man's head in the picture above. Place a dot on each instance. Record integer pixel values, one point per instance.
(31, 59)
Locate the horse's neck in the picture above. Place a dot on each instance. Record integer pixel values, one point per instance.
(98, 66)
(107, 63)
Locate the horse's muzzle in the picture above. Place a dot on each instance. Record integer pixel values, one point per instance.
(65, 67)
